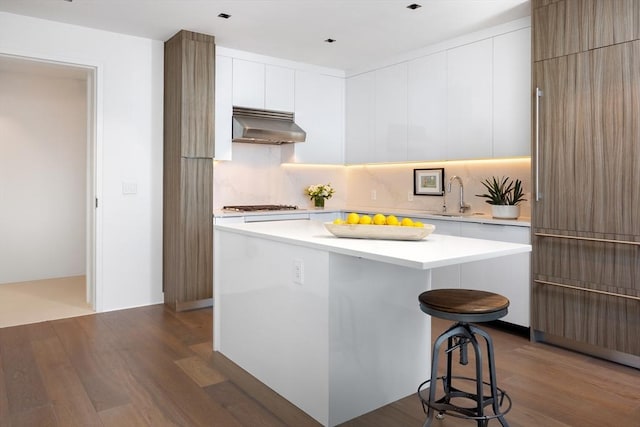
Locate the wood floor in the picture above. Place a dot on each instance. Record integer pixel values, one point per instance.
(151, 367)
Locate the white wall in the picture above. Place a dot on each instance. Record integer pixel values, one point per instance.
(393, 184)
(256, 175)
(129, 142)
(42, 177)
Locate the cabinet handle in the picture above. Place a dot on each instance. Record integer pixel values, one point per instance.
(588, 239)
(594, 291)
(537, 168)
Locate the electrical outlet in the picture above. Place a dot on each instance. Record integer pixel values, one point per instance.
(374, 195)
(410, 196)
(298, 271)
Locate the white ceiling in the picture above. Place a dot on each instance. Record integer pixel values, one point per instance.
(365, 30)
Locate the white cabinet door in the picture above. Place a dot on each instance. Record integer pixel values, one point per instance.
(512, 94)
(426, 112)
(224, 107)
(319, 101)
(469, 91)
(324, 216)
(248, 83)
(279, 88)
(508, 276)
(391, 114)
(256, 85)
(360, 102)
(445, 277)
(228, 220)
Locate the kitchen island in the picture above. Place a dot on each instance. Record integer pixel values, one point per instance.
(331, 324)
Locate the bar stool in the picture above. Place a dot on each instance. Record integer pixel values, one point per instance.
(463, 306)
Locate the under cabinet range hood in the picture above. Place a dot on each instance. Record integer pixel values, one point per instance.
(265, 127)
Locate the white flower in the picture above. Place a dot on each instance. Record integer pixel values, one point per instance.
(324, 191)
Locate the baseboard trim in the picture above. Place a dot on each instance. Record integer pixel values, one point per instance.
(592, 350)
(194, 305)
(512, 328)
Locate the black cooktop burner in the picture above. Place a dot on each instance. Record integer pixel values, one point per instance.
(254, 208)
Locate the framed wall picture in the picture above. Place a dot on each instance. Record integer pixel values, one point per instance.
(428, 182)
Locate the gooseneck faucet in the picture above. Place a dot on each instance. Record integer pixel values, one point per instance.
(463, 206)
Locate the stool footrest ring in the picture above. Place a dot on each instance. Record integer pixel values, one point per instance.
(443, 405)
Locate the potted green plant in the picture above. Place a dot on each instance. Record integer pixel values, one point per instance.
(504, 196)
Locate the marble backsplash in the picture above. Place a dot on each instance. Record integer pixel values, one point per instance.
(257, 176)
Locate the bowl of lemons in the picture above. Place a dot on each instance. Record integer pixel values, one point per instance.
(379, 226)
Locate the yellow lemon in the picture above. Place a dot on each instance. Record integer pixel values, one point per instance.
(407, 222)
(418, 224)
(392, 220)
(338, 221)
(379, 219)
(353, 218)
(365, 219)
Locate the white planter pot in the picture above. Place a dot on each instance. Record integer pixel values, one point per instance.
(505, 211)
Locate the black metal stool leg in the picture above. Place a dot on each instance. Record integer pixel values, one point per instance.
(434, 377)
(496, 400)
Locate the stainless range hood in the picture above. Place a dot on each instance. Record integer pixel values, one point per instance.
(265, 127)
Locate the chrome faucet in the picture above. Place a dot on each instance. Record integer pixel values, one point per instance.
(463, 206)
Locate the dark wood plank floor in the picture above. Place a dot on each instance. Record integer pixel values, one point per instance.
(152, 367)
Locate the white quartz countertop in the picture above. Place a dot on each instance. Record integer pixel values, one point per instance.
(481, 218)
(434, 251)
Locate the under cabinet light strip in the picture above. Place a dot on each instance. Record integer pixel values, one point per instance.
(595, 291)
(590, 239)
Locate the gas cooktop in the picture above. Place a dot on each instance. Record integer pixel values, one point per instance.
(254, 208)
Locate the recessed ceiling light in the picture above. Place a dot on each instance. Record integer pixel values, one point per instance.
(224, 15)
(414, 6)
(330, 40)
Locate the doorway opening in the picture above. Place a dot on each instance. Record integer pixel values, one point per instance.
(47, 190)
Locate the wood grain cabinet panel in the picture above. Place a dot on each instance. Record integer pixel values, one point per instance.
(190, 87)
(603, 266)
(196, 237)
(586, 233)
(589, 319)
(189, 134)
(590, 141)
(565, 27)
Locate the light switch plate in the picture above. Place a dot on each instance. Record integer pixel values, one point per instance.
(129, 187)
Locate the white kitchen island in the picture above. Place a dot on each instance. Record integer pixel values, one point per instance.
(331, 324)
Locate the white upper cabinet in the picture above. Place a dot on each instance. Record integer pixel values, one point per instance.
(279, 88)
(248, 84)
(224, 107)
(256, 85)
(391, 114)
(360, 118)
(316, 99)
(512, 94)
(319, 101)
(426, 112)
(469, 104)
(469, 101)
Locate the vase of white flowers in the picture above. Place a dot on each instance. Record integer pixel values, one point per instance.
(319, 193)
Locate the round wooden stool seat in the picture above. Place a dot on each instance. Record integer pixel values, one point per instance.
(464, 305)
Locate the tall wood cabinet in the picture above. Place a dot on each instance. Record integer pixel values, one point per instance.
(189, 73)
(586, 165)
